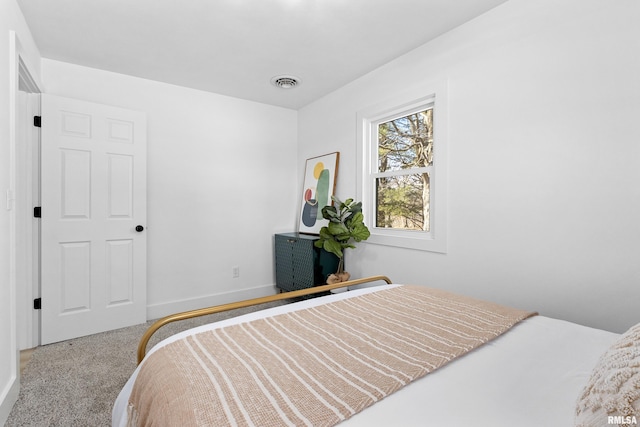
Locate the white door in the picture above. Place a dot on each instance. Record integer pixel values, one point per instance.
(93, 218)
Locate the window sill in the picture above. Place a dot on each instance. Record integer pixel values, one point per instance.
(417, 242)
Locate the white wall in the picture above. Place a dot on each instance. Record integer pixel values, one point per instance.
(221, 175)
(15, 39)
(544, 201)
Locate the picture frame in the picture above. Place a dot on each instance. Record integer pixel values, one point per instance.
(319, 184)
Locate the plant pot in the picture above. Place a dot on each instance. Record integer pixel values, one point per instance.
(338, 278)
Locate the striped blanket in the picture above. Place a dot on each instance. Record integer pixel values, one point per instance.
(316, 366)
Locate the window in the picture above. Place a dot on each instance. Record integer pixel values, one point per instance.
(402, 170)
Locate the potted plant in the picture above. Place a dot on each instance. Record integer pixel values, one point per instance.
(346, 226)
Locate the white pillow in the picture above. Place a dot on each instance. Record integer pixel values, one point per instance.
(612, 395)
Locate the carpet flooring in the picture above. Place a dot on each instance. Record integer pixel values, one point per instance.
(76, 382)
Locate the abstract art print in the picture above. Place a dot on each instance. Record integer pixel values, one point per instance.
(319, 185)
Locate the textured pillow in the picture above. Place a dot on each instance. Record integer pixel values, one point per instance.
(612, 395)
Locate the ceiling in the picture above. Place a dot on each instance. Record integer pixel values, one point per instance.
(235, 47)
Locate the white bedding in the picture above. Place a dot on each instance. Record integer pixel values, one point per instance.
(529, 376)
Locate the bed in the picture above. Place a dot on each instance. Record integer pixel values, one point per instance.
(531, 371)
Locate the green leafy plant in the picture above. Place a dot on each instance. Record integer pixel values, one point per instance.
(346, 225)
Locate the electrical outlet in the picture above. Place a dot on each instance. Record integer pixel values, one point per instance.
(236, 272)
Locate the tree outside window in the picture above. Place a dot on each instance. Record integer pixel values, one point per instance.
(405, 162)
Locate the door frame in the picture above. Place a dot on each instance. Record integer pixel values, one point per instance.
(26, 172)
(17, 55)
(29, 181)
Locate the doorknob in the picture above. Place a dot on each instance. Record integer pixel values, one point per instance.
(139, 228)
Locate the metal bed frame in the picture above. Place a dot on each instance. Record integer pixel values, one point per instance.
(142, 346)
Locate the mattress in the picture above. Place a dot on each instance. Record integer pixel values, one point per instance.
(529, 376)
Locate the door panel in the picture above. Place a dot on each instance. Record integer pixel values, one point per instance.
(120, 272)
(75, 276)
(120, 191)
(93, 196)
(75, 169)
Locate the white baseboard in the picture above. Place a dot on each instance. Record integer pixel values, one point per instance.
(156, 311)
(10, 396)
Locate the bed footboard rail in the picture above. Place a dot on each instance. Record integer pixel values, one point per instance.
(142, 346)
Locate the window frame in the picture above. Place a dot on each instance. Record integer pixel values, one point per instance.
(430, 95)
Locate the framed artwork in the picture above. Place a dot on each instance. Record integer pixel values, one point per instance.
(319, 185)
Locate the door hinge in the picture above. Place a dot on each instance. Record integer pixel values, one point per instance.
(37, 121)
(37, 212)
(37, 304)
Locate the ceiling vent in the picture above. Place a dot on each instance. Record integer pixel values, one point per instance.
(285, 82)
